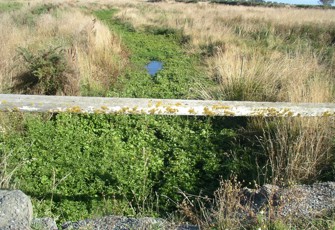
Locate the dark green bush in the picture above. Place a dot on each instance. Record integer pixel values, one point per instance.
(46, 70)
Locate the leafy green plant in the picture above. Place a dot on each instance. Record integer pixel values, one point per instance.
(9, 6)
(43, 8)
(46, 70)
(136, 162)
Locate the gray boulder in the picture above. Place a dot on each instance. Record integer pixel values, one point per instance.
(16, 211)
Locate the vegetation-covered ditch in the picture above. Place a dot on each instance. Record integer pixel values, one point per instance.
(78, 166)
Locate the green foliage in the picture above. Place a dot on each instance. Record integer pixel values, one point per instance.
(9, 6)
(172, 33)
(43, 9)
(46, 69)
(84, 160)
(188, 1)
(28, 17)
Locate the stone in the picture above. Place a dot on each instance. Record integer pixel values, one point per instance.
(125, 223)
(300, 201)
(45, 223)
(16, 211)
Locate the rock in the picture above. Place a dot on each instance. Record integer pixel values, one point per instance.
(16, 210)
(45, 223)
(258, 199)
(306, 201)
(125, 223)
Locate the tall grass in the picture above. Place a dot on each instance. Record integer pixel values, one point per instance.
(94, 54)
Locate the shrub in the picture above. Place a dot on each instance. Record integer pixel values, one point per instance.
(46, 70)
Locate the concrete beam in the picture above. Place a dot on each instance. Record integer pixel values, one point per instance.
(57, 104)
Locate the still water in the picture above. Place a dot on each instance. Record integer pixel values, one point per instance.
(153, 67)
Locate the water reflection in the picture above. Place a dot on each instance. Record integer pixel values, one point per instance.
(153, 67)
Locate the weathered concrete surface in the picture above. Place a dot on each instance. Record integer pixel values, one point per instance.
(16, 210)
(55, 104)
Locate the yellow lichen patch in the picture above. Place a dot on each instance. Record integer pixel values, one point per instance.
(159, 103)
(134, 110)
(290, 114)
(124, 109)
(74, 109)
(178, 104)
(218, 106)
(103, 107)
(272, 112)
(54, 111)
(328, 114)
(15, 109)
(171, 110)
(3, 102)
(98, 111)
(229, 113)
(286, 113)
(192, 111)
(152, 111)
(266, 112)
(208, 112)
(150, 103)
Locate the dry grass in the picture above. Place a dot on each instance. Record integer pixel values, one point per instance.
(210, 22)
(298, 148)
(244, 75)
(221, 212)
(94, 54)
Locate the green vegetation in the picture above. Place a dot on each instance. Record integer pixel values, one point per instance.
(9, 6)
(180, 72)
(78, 161)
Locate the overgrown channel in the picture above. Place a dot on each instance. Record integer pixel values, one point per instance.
(77, 166)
